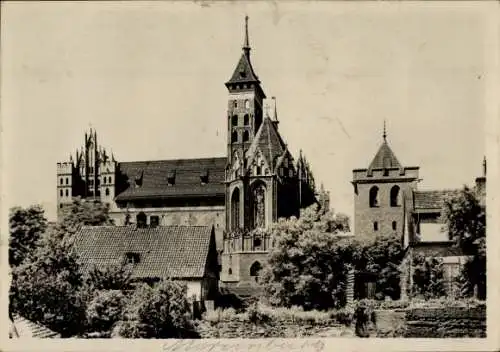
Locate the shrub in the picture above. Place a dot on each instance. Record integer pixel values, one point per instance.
(105, 310)
(161, 311)
(343, 316)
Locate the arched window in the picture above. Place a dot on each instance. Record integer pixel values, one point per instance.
(62, 181)
(245, 136)
(259, 206)
(394, 225)
(141, 220)
(247, 104)
(67, 193)
(61, 193)
(229, 271)
(375, 226)
(235, 209)
(234, 120)
(235, 103)
(234, 137)
(67, 180)
(374, 196)
(107, 191)
(246, 120)
(258, 170)
(257, 242)
(255, 270)
(395, 197)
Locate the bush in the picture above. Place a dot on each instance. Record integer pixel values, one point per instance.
(105, 310)
(343, 316)
(161, 311)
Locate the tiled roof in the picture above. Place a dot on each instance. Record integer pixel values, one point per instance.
(244, 71)
(153, 178)
(269, 142)
(164, 251)
(384, 158)
(432, 199)
(24, 328)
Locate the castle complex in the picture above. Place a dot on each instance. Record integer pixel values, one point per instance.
(257, 182)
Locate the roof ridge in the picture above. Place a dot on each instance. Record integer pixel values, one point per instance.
(171, 160)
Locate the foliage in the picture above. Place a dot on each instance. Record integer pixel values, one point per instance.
(465, 221)
(428, 277)
(104, 310)
(49, 287)
(304, 267)
(46, 289)
(111, 277)
(161, 311)
(26, 226)
(364, 314)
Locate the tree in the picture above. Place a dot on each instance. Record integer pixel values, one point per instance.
(26, 227)
(428, 277)
(49, 287)
(305, 265)
(465, 222)
(46, 289)
(161, 311)
(105, 310)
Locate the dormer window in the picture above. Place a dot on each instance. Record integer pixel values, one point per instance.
(204, 177)
(171, 178)
(243, 74)
(138, 179)
(132, 258)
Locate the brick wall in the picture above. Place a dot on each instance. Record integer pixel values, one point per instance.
(446, 322)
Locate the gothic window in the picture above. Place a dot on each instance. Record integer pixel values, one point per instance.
(107, 191)
(247, 104)
(246, 120)
(257, 242)
(141, 220)
(67, 193)
(375, 226)
(395, 198)
(67, 180)
(61, 193)
(61, 181)
(259, 206)
(154, 221)
(374, 197)
(236, 164)
(258, 170)
(255, 270)
(234, 137)
(229, 271)
(245, 136)
(235, 209)
(235, 103)
(234, 120)
(394, 225)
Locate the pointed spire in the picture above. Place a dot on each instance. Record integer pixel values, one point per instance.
(385, 133)
(484, 166)
(246, 44)
(275, 110)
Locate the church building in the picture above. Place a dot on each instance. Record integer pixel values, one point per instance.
(255, 184)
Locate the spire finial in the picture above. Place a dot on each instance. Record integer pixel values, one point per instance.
(246, 44)
(275, 109)
(484, 166)
(385, 133)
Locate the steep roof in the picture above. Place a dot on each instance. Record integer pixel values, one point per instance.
(269, 142)
(164, 251)
(384, 158)
(432, 199)
(154, 178)
(244, 72)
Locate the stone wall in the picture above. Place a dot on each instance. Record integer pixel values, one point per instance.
(446, 322)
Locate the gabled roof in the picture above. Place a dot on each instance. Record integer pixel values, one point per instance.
(154, 182)
(244, 71)
(269, 142)
(432, 199)
(385, 158)
(164, 251)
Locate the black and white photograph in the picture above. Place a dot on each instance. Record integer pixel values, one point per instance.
(254, 171)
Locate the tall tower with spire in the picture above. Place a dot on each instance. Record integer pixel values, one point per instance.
(383, 193)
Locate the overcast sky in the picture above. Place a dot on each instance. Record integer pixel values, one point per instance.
(150, 79)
